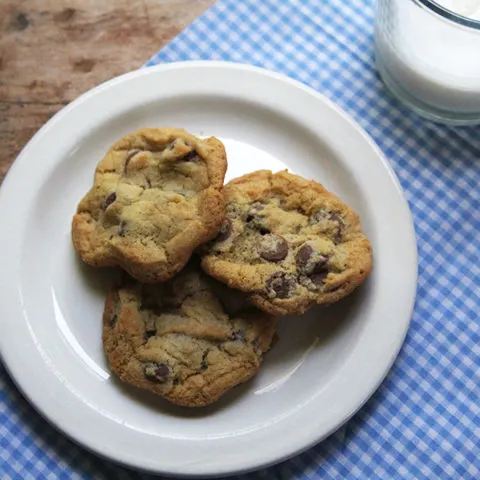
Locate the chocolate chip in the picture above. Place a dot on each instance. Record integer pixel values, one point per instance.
(338, 237)
(225, 231)
(110, 199)
(20, 21)
(322, 215)
(156, 372)
(319, 277)
(303, 256)
(130, 155)
(238, 335)
(319, 216)
(335, 217)
(272, 248)
(254, 211)
(309, 261)
(280, 285)
(113, 320)
(191, 156)
(204, 364)
(149, 183)
(258, 223)
(256, 220)
(149, 333)
(122, 228)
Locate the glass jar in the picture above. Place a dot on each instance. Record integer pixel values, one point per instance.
(429, 58)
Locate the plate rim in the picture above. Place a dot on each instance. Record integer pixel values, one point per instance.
(8, 357)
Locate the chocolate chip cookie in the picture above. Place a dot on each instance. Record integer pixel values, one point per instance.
(156, 197)
(188, 340)
(288, 243)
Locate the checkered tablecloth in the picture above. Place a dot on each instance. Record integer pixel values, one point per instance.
(424, 421)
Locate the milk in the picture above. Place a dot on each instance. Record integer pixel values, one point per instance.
(467, 8)
(433, 62)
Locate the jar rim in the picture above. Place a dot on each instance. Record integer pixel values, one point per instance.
(449, 15)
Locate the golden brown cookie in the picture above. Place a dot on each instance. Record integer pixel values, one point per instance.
(288, 243)
(189, 340)
(156, 197)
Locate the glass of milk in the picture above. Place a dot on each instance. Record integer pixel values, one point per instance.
(428, 55)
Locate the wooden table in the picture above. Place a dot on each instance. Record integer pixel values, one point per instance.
(53, 50)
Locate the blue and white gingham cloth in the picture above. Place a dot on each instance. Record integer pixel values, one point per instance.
(424, 421)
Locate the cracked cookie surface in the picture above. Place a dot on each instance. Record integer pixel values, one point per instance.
(288, 243)
(188, 340)
(156, 197)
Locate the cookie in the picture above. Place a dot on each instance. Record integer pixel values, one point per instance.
(156, 197)
(188, 340)
(288, 243)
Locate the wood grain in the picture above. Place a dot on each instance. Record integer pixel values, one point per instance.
(53, 50)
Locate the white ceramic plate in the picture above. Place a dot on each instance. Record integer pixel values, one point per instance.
(326, 364)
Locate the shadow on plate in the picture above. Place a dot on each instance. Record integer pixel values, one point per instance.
(164, 407)
(316, 328)
(97, 280)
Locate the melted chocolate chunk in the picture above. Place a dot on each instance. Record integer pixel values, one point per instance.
(280, 285)
(191, 156)
(130, 155)
(150, 330)
(110, 199)
(204, 364)
(309, 261)
(122, 228)
(156, 372)
(238, 335)
(256, 220)
(319, 278)
(272, 248)
(303, 256)
(338, 237)
(335, 217)
(253, 212)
